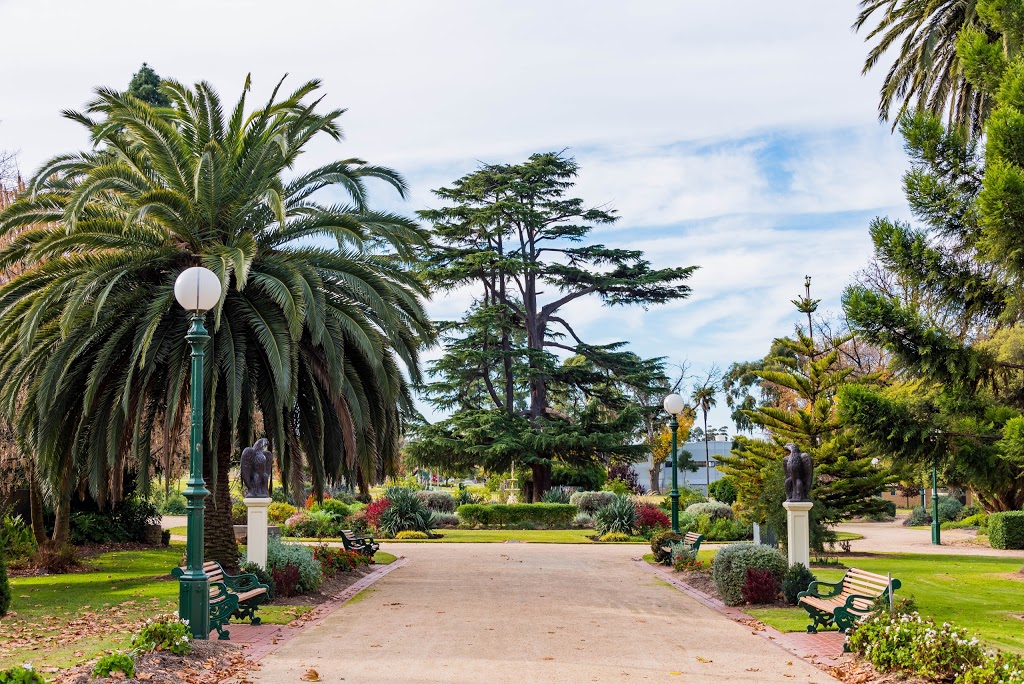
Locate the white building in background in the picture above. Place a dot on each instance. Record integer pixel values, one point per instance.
(720, 446)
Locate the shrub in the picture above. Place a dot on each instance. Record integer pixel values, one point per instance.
(262, 576)
(57, 561)
(336, 509)
(334, 561)
(464, 496)
(918, 516)
(556, 495)
(552, 516)
(239, 513)
(687, 497)
(315, 524)
(759, 586)
(442, 502)
(1006, 530)
(949, 508)
(890, 508)
(979, 520)
(5, 584)
(375, 510)
(358, 523)
(114, 662)
(617, 488)
(713, 509)
(687, 523)
(624, 476)
(412, 534)
(686, 562)
(614, 537)
(278, 496)
(16, 539)
(21, 675)
(406, 512)
(446, 520)
(724, 490)
(661, 539)
(591, 502)
(618, 516)
(907, 643)
(729, 569)
(310, 573)
(650, 518)
(279, 512)
(796, 579)
(582, 521)
(968, 511)
(721, 529)
(164, 633)
(165, 537)
(286, 578)
(174, 504)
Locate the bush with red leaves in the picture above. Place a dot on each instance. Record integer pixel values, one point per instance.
(334, 561)
(310, 500)
(759, 586)
(375, 510)
(286, 579)
(650, 518)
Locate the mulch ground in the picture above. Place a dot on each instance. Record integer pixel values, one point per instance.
(329, 588)
(208, 663)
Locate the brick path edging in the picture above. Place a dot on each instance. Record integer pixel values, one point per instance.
(262, 640)
(823, 650)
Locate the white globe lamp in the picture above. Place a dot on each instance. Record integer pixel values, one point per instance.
(197, 289)
(674, 404)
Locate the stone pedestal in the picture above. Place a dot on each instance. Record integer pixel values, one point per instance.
(798, 526)
(257, 532)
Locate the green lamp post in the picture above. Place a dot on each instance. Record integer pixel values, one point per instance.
(674, 404)
(197, 290)
(936, 529)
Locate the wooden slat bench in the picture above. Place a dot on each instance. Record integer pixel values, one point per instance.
(363, 545)
(689, 546)
(845, 602)
(238, 596)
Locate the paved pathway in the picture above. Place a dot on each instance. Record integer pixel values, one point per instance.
(894, 538)
(534, 613)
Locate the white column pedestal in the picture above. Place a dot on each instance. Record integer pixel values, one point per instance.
(257, 531)
(798, 527)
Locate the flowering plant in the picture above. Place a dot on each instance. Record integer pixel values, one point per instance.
(338, 560)
(164, 633)
(375, 511)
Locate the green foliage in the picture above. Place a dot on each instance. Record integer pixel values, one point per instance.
(125, 522)
(262, 575)
(448, 520)
(406, 512)
(949, 509)
(411, 534)
(1006, 530)
(16, 538)
(551, 516)
(797, 578)
(164, 633)
(279, 512)
(280, 555)
(556, 495)
(5, 584)
(618, 488)
(713, 509)
(319, 321)
(145, 85)
(660, 539)
(724, 490)
(720, 529)
(174, 504)
(239, 513)
(313, 524)
(591, 502)
(730, 567)
(582, 521)
(21, 675)
(919, 516)
(614, 537)
(114, 662)
(332, 507)
(618, 516)
(442, 502)
(588, 476)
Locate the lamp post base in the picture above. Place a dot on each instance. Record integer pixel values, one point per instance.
(194, 604)
(798, 528)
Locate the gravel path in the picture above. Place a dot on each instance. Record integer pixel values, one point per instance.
(533, 613)
(894, 538)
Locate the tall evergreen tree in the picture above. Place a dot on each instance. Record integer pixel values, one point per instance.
(960, 401)
(512, 234)
(145, 85)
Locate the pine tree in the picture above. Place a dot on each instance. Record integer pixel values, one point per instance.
(959, 401)
(145, 85)
(512, 233)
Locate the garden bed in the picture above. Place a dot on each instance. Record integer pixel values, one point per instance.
(209, 662)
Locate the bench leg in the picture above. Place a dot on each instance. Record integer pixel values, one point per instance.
(222, 634)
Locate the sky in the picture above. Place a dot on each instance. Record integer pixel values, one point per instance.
(740, 137)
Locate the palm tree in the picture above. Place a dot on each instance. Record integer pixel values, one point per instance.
(703, 399)
(927, 73)
(319, 316)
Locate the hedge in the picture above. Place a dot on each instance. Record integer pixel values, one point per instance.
(557, 516)
(1006, 530)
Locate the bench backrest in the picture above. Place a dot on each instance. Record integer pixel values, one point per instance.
(863, 583)
(691, 538)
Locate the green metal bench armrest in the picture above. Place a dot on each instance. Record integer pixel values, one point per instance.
(244, 581)
(812, 589)
(177, 572)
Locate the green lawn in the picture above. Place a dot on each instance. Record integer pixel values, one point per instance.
(71, 618)
(980, 593)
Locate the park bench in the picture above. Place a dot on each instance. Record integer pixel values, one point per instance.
(237, 596)
(363, 545)
(845, 602)
(689, 545)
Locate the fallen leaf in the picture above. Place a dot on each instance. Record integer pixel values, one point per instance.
(701, 659)
(311, 676)
(144, 676)
(676, 674)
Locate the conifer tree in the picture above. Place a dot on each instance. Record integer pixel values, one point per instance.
(512, 234)
(145, 85)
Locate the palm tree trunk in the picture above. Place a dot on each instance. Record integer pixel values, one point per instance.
(35, 506)
(62, 522)
(219, 533)
(707, 457)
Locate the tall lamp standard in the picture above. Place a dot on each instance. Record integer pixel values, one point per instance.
(197, 290)
(674, 404)
(936, 529)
